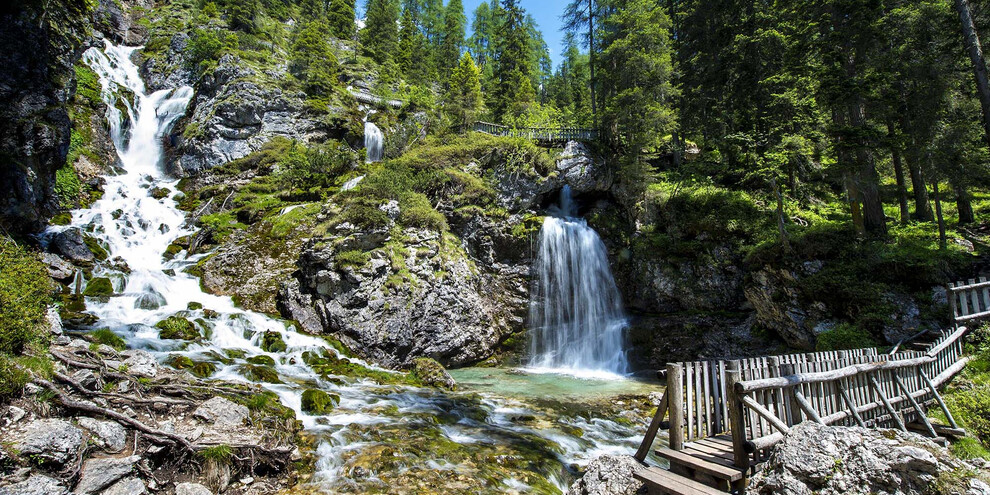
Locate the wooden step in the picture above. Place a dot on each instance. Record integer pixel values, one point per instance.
(673, 484)
(684, 458)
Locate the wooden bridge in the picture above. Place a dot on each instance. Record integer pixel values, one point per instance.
(542, 135)
(724, 416)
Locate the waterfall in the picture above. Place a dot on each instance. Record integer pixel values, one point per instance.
(374, 142)
(575, 316)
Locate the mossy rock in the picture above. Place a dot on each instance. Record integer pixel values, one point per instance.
(193, 306)
(177, 327)
(210, 314)
(258, 373)
(150, 300)
(73, 303)
(116, 214)
(171, 251)
(235, 353)
(262, 360)
(97, 249)
(62, 218)
(160, 192)
(180, 362)
(204, 369)
(318, 402)
(78, 318)
(272, 342)
(432, 373)
(99, 287)
(328, 365)
(106, 336)
(217, 357)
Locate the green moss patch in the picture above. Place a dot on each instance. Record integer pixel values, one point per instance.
(99, 287)
(177, 327)
(258, 373)
(106, 336)
(272, 342)
(318, 402)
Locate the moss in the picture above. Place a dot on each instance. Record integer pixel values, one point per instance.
(106, 336)
(355, 258)
(257, 373)
(272, 342)
(203, 369)
(160, 192)
(179, 362)
(177, 327)
(94, 245)
(171, 251)
(262, 360)
(193, 306)
(68, 187)
(318, 402)
(327, 364)
(99, 287)
(62, 218)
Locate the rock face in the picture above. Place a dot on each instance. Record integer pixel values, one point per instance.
(37, 484)
(235, 113)
(842, 460)
(53, 441)
(609, 475)
(98, 474)
(583, 171)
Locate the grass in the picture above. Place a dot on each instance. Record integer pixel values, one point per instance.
(106, 336)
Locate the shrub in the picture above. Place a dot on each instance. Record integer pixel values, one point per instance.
(416, 211)
(844, 336)
(108, 337)
(206, 46)
(25, 293)
(68, 188)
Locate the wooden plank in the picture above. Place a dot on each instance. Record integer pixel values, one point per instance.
(709, 457)
(689, 399)
(938, 398)
(708, 449)
(673, 484)
(707, 398)
(918, 411)
(985, 293)
(716, 470)
(974, 302)
(717, 442)
(651, 432)
(736, 419)
(675, 401)
(765, 413)
(850, 404)
(963, 306)
(886, 403)
(808, 408)
(717, 398)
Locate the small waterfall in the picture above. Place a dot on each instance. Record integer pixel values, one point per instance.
(575, 316)
(374, 142)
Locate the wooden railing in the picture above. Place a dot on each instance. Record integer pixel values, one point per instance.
(759, 399)
(370, 99)
(540, 134)
(969, 300)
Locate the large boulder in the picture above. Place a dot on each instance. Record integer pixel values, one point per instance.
(53, 441)
(581, 170)
(219, 410)
(37, 484)
(109, 435)
(97, 474)
(831, 460)
(70, 244)
(140, 363)
(609, 475)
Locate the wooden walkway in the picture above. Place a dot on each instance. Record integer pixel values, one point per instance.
(542, 135)
(724, 416)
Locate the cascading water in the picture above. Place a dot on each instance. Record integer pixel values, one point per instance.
(470, 428)
(374, 142)
(576, 317)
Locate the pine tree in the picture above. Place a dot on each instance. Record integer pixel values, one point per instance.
(312, 59)
(241, 15)
(412, 44)
(380, 35)
(312, 10)
(513, 86)
(340, 16)
(463, 101)
(453, 35)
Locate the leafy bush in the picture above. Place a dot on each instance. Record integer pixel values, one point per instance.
(68, 188)
(842, 337)
(315, 167)
(25, 293)
(416, 211)
(206, 46)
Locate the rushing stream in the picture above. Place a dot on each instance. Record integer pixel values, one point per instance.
(487, 437)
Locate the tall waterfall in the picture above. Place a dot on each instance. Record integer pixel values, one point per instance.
(575, 315)
(374, 142)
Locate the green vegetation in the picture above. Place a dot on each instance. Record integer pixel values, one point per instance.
(177, 327)
(272, 342)
(106, 336)
(968, 398)
(844, 336)
(99, 287)
(25, 294)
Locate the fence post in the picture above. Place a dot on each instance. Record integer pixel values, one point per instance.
(737, 424)
(675, 404)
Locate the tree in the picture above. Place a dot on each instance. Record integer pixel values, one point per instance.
(482, 32)
(412, 44)
(312, 60)
(241, 14)
(972, 42)
(380, 35)
(580, 16)
(463, 101)
(340, 16)
(453, 35)
(512, 69)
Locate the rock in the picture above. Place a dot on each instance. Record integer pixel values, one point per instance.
(609, 475)
(391, 209)
(53, 441)
(108, 434)
(978, 487)
(272, 342)
(191, 489)
(54, 321)
(318, 402)
(97, 474)
(177, 327)
(159, 192)
(219, 410)
(127, 486)
(15, 414)
(70, 244)
(87, 379)
(99, 287)
(150, 299)
(822, 459)
(58, 268)
(35, 485)
(140, 363)
(433, 374)
(580, 170)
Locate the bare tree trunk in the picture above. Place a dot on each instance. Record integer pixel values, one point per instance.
(964, 203)
(874, 219)
(781, 219)
(853, 197)
(902, 199)
(938, 212)
(972, 42)
(922, 206)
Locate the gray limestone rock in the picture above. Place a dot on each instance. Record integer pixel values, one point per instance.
(108, 434)
(127, 486)
(221, 411)
(97, 474)
(35, 485)
(609, 475)
(191, 489)
(51, 440)
(140, 363)
(70, 244)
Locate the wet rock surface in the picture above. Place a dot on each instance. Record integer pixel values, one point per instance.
(609, 475)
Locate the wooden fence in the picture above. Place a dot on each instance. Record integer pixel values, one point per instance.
(540, 134)
(969, 300)
(773, 393)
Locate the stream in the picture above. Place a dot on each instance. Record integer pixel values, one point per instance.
(503, 431)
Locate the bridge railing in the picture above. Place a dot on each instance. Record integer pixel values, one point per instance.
(543, 134)
(699, 397)
(969, 300)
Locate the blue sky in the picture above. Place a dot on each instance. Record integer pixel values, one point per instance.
(547, 15)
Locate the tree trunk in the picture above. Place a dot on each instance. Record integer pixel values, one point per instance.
(868, 181)
(964, 203)
(972, 41)
(922, 206)
(853, 197)
(781, 219)
(941, 219)
(902, 199)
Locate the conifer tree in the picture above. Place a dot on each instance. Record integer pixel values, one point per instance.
(380, 35)
(453, 35)
(513, 87)
(241, 15)
(463, 101)
(340, 16)
(412, 44)
(312, 60)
